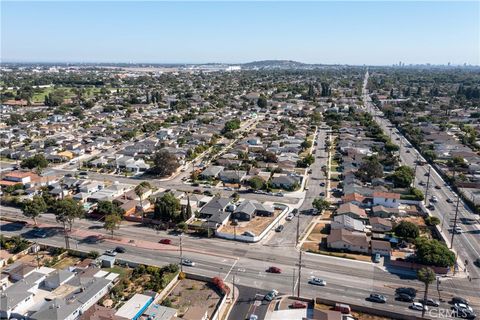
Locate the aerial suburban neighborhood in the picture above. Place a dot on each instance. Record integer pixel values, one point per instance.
(264, 190)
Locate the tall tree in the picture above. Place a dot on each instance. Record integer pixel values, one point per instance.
(67, 210)
(112, 222)
(167, 208)
(34, 208)
(164, 163)
(427, 276)
(140, 190)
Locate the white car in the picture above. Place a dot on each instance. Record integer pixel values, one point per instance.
(111, 253)
(418, 306)
(434, 198)
(318, 282)
(253, 317)
(289, 217)
(188, 263)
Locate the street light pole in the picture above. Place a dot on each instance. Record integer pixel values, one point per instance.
(298, 229)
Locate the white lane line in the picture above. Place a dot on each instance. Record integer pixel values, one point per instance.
(228, 273)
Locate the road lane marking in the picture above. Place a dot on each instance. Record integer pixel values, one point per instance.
(228, 273)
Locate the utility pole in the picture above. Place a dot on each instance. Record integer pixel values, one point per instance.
(299, 272)
(233, 286)
(181, 255)
(293, 282)
(455, 221)
(298, 229)
(415, 170)
(428, 183)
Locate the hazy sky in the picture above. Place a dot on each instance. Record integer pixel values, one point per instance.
(375, 33)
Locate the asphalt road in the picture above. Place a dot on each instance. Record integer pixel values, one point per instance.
(250, 301)
(466, 244)
(288, 236)
(348, 281)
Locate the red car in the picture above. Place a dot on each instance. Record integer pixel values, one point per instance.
(274, 270)
(165, 241)
(298, 305)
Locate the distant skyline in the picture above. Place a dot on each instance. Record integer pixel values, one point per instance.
(356, 33)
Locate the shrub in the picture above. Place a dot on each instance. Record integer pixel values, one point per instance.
(93, 254)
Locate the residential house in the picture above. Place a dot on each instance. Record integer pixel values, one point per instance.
(232, 176)
(351, 210)
(287, 182)
(380, 225)
(211, 172)
(381, 247)
(344, 221)
(251, 208)
(215, 212)
(384, 212)
(342, 239)
(386, 199)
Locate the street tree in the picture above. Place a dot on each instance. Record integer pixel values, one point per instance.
(67, 210)
(433, 253)
(37, 161)
(403, 177)
(369, 169)
(256, 183)
(164, 163)
(427, 276)
(262, 102)
(320, 204)
(112, 222)
(34, 208)
(106, 208)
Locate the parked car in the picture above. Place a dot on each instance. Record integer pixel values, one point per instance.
(438, 187)
(404, 297)
(376, 297)
(120, 249)
(449, 200)
(429, 302)
(279, 228)
(418, 306)
(248, 234)
(295, 212)
(434, 199)
(343, 308)
(431, 207)
(253, 317)
(322, 194)
(410, 291)
(298, 305)
(322, 184)
(459, 300)
(188, 263)
(318, 282)
(422, 183)
(465, 313)
(274, 270)
(477, 262)
(39, 233)
(111, 253)
(289, 217)
(165, 241)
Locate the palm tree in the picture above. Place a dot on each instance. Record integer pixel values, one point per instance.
(427, 276)
(140, 191)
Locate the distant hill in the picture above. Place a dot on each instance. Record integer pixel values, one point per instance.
(274, 64)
